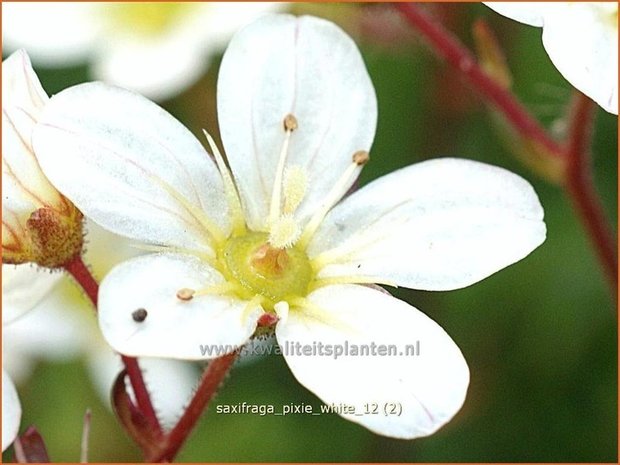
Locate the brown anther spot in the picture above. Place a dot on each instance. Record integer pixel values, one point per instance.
(139, 315)
(290, 123)
(185, 294)
(361, 157)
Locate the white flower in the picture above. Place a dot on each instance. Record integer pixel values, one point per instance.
(297, 115)
(581, 39)
(61, 327)
(38, 223)
(23, 287)
(11, 411)
(155, 48)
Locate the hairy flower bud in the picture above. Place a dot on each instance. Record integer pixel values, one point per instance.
(39, 224)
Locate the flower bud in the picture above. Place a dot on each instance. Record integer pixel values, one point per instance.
(39, 224)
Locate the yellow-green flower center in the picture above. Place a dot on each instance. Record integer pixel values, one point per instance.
(146, 18)
(258, 268)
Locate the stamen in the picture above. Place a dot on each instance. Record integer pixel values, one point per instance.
(284, 232)
(360, 158)
(185, 294)
(256, 301)
(321, 282)
(316, 312)
(290, 124)
(213, 229)
(232, 196)
(295, 184)
(202, 254)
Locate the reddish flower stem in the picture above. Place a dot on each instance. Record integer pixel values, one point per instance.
(448, 47)
(211, 380)
(576, 153)
(80, 272)
(579, 184)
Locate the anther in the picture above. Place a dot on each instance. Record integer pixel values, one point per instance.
(185, 294)
(361, 157)
(139, 315)
(290, 123)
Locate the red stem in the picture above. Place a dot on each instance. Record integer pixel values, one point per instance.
(447, 46)
(578, 183)
(85, 279)
(211, 380)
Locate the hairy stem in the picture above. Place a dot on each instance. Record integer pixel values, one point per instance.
(576, 153)
(211, 380)
(447, 46)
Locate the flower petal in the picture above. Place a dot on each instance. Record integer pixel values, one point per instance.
(138, 65)
(414, 394)
(133, 61)
(11, 411)
(307, 67)
(54, 33)
(438, 225)
(168, 397)
(173, 328)
(134, 169)
(531, 13)
(588, 60)
(23, 288)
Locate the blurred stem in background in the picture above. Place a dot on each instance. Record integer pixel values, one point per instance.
(573, 156)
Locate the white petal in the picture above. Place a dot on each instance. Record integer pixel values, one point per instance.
(52, 330)
(170, 382)
(23, 287)
(104, 250)
(589, 59)
(426, 389)
(122, 150)
(131, 57)
(133, 61)
(173, 328)
(24, 186)
(54, 33)
(438, 225)
(11, 411)
(531, 13)
(138, 65)
(226, 18)
(307, 67)
(20, 84)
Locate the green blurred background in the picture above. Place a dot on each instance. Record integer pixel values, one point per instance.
(540, 337)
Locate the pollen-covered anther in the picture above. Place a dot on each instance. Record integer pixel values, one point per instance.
(284, 232)
(295, 185)
(290, 122)
(185, 294)
(361, 157)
